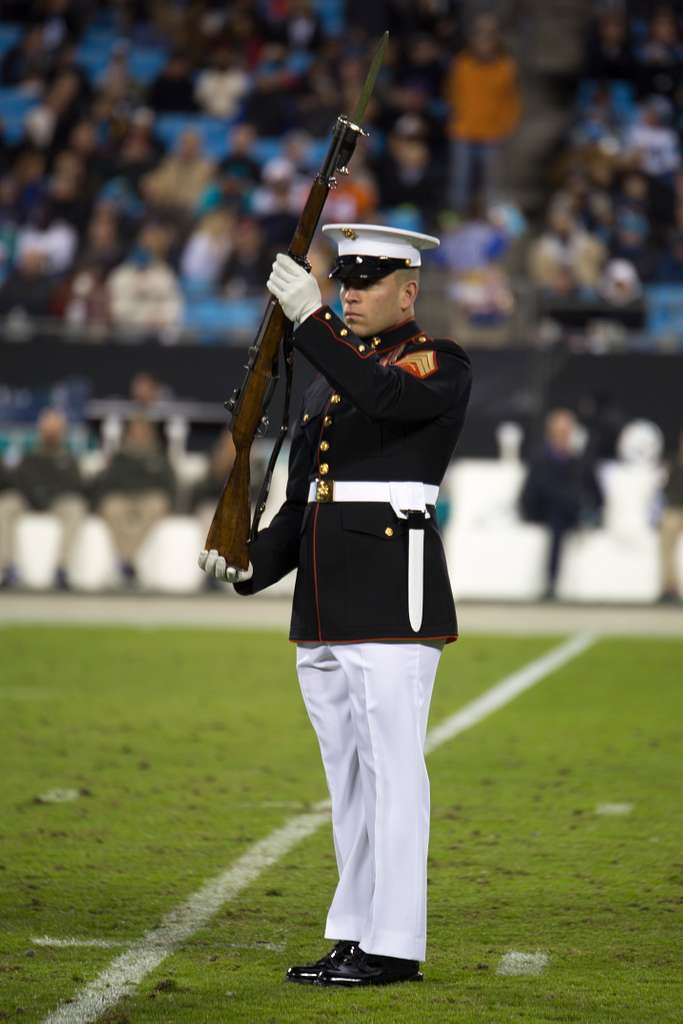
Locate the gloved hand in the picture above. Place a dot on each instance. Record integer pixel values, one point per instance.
(295, 289)
(215, 565)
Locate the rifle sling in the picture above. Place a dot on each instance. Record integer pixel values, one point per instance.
(288, 355)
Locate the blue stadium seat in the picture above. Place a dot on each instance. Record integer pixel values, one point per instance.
(665, 312)
(9, 34)
(145, 62)
(215, 320)
(331, 14)
(14, 105)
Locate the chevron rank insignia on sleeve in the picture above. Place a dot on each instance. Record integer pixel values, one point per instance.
(420, 364)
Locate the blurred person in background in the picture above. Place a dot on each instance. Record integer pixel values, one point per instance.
(220, 87)
(671, 527)
(660, 56)
(48, 480)
(173, 89)
(29, 288)
(272, 102)
(139, 152)
(144, 292)
(300, 29)
(181, 178)
(609, 53)
(239, 170)
(277, 202)
(29, 61)
(652, 147)
(406, 173)
(28, 172)
(208, 248)
(205, 494)
(49, 124)
(148, 392)
(566, 258)
(249, 260)
(620, 285)
(48, 233)
(135, 491)
(561, 491)
(11, 507)
(631, 243)
(9, 224)
(669, 269)
(484, 109)
(101, 243)
(70, 190)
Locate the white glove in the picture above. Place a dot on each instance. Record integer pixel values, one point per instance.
(294, 288)
(215, 565)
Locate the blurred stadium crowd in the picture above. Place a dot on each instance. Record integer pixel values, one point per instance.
(614, 226)
(155, 155)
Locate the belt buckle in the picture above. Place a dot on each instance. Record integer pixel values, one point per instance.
(324, 491)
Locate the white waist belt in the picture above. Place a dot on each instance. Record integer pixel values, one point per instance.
(404, 496)
(406, 491)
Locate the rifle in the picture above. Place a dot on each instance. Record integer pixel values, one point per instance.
(230, 532)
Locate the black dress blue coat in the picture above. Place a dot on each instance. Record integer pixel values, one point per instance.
(382, 409)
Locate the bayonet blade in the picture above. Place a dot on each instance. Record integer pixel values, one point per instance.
(365, 95)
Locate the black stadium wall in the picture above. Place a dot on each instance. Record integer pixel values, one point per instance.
(516, 384)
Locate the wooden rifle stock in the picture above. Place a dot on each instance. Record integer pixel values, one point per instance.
(229, 531)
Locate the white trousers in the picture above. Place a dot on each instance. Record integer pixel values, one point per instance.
(369, 703)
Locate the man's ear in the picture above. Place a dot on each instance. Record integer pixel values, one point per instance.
(409, 294)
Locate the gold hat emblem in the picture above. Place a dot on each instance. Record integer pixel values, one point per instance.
(349, 233)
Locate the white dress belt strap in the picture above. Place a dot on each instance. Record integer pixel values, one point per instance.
(375, 490)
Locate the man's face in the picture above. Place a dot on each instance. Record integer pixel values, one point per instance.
(370, 308)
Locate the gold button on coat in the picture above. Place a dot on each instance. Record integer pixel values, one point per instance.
(323, 469)
(376, 342)
(324, 446)
(306, 417)
(328, 316)
(389, 532)
(336, 399)
(361, 348)
(327, 422)
(422, 339)
(343, 332)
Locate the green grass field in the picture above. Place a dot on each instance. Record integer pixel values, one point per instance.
(187, 746)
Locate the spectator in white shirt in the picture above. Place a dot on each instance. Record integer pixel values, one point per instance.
(653, 144)
(53, 237)
(143, 291)
(220, 88)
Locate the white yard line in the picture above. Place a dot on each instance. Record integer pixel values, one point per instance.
(516, 963)
(128, 970)
(613, 809)
(47, 940)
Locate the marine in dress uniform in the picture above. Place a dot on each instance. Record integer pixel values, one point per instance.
(372, 604)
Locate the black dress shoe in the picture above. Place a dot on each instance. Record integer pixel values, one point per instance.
(360, 968)
(308, 974)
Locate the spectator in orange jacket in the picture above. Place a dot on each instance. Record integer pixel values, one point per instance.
(483, 97)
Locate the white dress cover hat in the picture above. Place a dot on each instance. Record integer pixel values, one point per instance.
(371, 251)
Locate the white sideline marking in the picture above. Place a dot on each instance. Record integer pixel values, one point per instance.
(58, 796)
(522, 963)
(614, 809)
(46, 940)
(128, 970)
